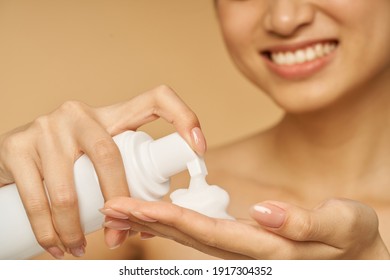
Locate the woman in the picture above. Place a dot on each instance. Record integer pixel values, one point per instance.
(332, 143)
(330, 71)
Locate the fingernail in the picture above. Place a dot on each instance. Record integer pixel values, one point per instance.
(56, 252)
(145, 235)
(117, 224)
(113, 213)
(78, 251)
(116, 243)
(142, 217)
(269, 215)
(198, 140)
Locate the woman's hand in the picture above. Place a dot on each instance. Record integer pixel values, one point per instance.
(46, 149)
(337, 229)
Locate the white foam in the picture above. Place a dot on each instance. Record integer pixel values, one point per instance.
(210, 200)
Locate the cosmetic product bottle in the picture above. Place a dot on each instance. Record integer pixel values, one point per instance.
(148, 163)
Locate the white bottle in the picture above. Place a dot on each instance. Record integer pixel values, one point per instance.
(148, 165)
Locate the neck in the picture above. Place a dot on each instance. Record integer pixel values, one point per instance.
(342, 147)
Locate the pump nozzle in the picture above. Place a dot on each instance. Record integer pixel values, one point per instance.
(149, 164)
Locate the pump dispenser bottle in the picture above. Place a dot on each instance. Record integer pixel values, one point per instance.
(148, 163)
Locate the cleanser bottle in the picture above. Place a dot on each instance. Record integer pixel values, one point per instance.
(148, 163)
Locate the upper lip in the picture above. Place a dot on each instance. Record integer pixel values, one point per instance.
(295, 46)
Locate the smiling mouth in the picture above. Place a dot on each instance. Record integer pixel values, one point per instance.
(301, 55)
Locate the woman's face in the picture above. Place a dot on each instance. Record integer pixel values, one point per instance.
(306, 54)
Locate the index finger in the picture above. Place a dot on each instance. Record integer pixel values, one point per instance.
(159, 102)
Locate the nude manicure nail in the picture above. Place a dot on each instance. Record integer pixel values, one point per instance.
(112, 213)
(56, 252)
(146, 236)
(117, 224)
(117, 242)
(78, 251)
(198, 140)
(269, 215)
(142, 217)
(262, 209)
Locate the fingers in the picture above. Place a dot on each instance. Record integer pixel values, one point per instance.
(64, 205)
(148, 231)
(20, 158)
(336, 222)
(159, 102)
(114, 238)
(168, 232)
(193, 229)
(106, 159)
(33, 196)
(54, 142)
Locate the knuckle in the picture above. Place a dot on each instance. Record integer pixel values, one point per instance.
(43, 124)
(71, 106)
(308, 228)
(163, 94)
(72, 110)
(72, 239)
(163, 91)
(47, 239)
(305, 232)
(13, 144)
(35, 207)
(190, 117)
(357, 219)
(332, 202)
(346, 211)
(43, 129)
(64, 198)
(104, 151)
(361, 220)
(69, 110)
(311, 228)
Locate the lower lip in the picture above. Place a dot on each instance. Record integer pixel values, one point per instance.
(300, 71)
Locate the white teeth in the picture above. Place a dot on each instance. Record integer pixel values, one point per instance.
(303, 55)
(290, 58)
(319, 50)
(310, 54)
(300, 56)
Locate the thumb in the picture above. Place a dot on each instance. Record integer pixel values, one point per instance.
(332, 222)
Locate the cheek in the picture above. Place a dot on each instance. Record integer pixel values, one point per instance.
(359, 15)
(240, 22)
(236, 33)
(367, 34)
(240, 30)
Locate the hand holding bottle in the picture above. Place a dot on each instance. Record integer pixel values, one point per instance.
(39, 158)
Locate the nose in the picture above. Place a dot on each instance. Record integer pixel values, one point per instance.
(285, 17)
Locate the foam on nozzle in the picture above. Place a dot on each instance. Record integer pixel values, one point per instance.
(155, 161)
(210, 200)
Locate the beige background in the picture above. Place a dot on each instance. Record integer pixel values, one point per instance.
(106, 51)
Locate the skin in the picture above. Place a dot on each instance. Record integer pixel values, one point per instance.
(46, 149)
(331, 145)
(321, 172)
